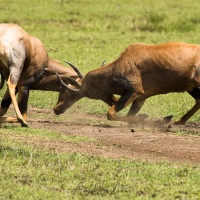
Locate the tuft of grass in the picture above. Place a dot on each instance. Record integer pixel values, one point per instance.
(150, 22)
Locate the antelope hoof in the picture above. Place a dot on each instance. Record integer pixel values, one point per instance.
(23, 123)
(110, 117)
(163, 121)
(167, 119)
(179, 122)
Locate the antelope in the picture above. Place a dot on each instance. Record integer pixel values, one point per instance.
(26, 66)
(142, 71)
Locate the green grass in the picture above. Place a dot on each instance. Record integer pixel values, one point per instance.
(10, 130)
(28, 173)
(86, 33)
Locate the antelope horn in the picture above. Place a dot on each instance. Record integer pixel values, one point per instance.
(75, 69)
(72, 81)
(66, 86)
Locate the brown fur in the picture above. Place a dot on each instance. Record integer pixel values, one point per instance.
(25, 65)
(141, 71)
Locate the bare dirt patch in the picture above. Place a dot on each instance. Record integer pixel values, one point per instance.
(119, 140)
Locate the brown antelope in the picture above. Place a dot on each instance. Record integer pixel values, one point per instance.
(25, 65)
(142, 71)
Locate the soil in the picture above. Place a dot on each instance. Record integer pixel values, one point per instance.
(117, 140)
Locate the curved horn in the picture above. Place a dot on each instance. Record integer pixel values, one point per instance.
(2, 80)
(72, 81)
(75, 69)
(66, 86)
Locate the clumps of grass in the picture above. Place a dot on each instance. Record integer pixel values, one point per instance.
(180, 25)
(150, 22)
(159, 22)
(195, 19)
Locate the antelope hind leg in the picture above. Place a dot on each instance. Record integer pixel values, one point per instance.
(191, 112)
(195, 93)
(11, 88)
(5, 103)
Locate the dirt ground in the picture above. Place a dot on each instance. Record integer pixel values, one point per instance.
(117, 139)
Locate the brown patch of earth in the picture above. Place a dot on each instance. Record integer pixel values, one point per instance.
(118, 140)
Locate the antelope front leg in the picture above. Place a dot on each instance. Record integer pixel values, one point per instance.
(124, 101)
(135, 107)
(11, 88)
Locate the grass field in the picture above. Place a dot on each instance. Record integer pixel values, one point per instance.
(86, 32)
(28, 173)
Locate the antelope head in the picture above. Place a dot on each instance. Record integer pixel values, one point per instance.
(71, 94)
